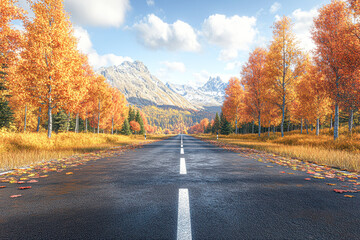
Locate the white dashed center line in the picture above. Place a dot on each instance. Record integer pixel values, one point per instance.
(182, 151)
(182, 166)
(184, 222)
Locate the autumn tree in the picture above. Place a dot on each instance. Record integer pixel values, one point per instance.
(331, 54)
(10, 44)
(135, 126)
(313, 100)
(256, 85)
(48, 56)
(283, 65)
(233, 103)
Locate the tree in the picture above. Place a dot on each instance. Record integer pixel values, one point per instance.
(225, 127)
(126, 128)
(139, 119)
(233, 103)
(256, 85)
(132, 114)
(48, 56)
(216, 126)
(10, 44)
(283, 61)
(331, 36)
(135, 126)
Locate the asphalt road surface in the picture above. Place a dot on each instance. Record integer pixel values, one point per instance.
(163, 192)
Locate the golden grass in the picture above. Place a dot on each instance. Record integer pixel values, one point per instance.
(22, 149)
(343, 153)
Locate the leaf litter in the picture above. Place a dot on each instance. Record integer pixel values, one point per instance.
(315, 171)
(33, 173)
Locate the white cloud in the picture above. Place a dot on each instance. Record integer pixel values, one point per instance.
(275, 7)
(232, 34)
(150, 2)
(95, 60)
(303, 21)
(233, 66)
(108, 13)
(175, 66)
(277, 18)
(154, 33)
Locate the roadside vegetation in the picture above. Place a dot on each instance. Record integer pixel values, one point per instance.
(342, 153)
(23, 149)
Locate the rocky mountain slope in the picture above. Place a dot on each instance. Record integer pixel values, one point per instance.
(142, 88)
(209, 95)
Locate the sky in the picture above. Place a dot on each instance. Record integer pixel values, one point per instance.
(183, 41)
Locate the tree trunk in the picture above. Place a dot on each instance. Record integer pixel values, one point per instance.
(253, 127)
(77, 123)
(331, 122)
(39, 120)
(312, 127)
(236, 121)
(68, 123)
(288, 127)
(283, 117)
(351, 120)
(336, 122)
(49, 112)
(269, 130)
(25, 118)
(86, 124)
(317, 126)
(306, 126)
(98, 125)
(112, 125)
(302, 124)
(259, 120)
(49, 121)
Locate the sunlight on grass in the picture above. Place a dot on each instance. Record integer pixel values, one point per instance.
(22, 149)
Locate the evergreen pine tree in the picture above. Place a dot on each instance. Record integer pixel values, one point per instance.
(216, 126)
(126, 128)
(225, 126)
(60, 121)
(131, 114)
(6, 114)
(208, 128)
(139, 119)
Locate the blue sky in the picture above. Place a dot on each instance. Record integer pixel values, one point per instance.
(184, 41)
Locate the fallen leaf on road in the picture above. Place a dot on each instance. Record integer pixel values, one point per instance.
(308, 179)
(20, 182)
(349, 196)
(15, 196)
(24, 188)
(32, 181)
(331, 184)
(2, 186)
(69, 173)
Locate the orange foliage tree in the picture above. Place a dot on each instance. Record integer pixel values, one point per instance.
(135, 126)
(332, 37)
(48, 56)
(283, 61)
(234, 102)
(256, 85)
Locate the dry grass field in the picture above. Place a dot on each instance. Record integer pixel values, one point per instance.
(22, 149)
(343, 153)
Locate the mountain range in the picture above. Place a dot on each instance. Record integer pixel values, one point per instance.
(141, 88)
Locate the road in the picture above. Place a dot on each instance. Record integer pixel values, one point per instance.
(160, 192)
